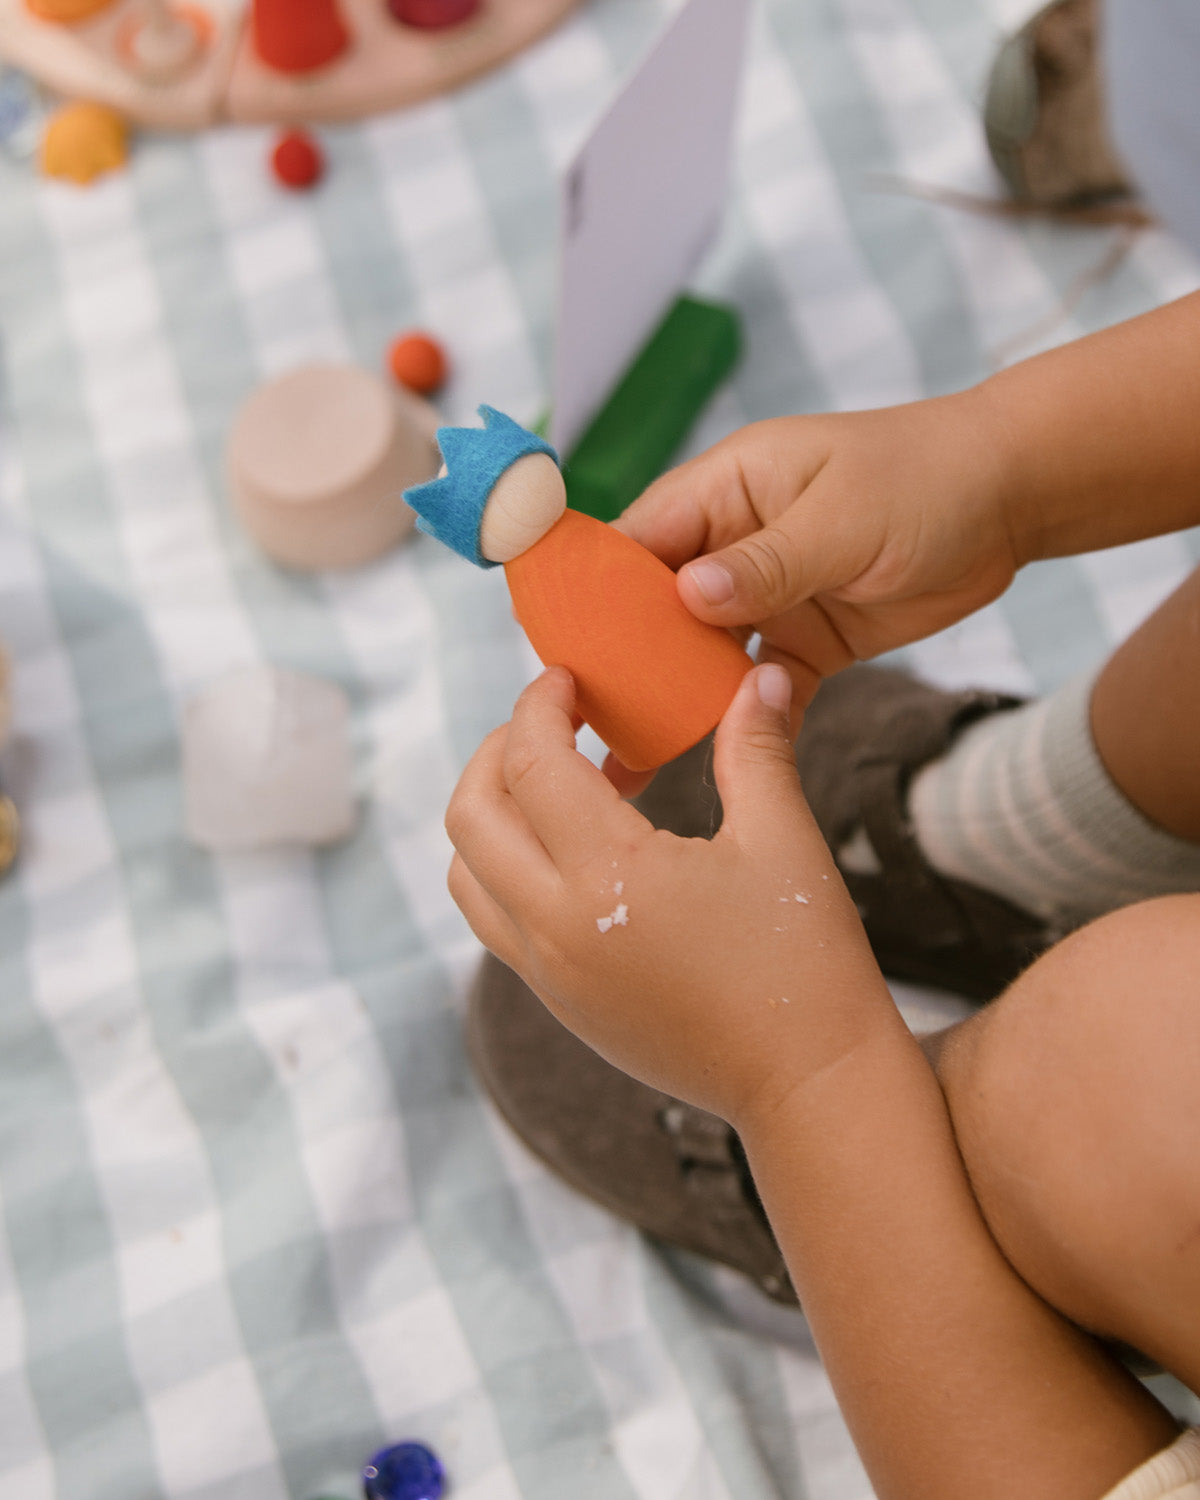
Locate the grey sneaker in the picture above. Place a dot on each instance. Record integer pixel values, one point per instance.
(866, 734)
(1044, 113)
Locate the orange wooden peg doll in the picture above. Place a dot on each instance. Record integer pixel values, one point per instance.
(651, 679)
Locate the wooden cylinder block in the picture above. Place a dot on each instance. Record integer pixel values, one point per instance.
(318, 461)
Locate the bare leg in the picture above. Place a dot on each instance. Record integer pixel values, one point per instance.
(1146, 714)
(1074, 1101)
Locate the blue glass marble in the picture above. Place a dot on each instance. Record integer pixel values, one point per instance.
(407, 1471)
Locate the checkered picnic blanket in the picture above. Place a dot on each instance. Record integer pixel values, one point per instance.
(255, 1217)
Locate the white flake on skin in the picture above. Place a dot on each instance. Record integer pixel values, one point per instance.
(619, 918)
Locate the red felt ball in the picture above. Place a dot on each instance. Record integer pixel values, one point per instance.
(296, 159)
(418, 362)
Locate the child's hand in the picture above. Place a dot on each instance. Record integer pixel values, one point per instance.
(720, 971)
(838, 537)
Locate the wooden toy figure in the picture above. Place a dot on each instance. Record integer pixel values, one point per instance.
(651, 679)
(296, 36)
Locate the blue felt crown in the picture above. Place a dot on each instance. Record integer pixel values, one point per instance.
(451, 508)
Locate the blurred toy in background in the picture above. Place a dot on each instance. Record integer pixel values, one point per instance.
(296, 160)
(10, 823)
(66, 12)
(184, 66)
(295, 36)
(82, 141)
(163, 40)
(318, 460)
(651, 679)
(267, 763)
(404, 1471)
(418, 362)
(433, 15)
(21, 114)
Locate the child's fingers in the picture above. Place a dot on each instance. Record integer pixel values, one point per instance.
(487, 920)
(490, 832)
(754, 762)
(570, 806)
(671, 517)
(805, 681)
(808, 643)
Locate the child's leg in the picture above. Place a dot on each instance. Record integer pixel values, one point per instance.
(1074, 1102)
(1146, 714)
(1087, 800)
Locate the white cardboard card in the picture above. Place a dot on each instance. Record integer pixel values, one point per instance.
(640, 204)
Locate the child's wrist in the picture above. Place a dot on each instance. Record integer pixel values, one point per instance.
(844, 1084)
(1008, 485)
(853, 1026)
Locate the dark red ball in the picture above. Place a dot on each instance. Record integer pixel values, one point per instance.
(296, 159)
(432, 15)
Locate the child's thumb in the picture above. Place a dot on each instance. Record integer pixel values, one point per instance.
(764, 574)
(753, 756)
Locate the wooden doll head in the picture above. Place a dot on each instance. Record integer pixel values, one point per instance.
(525, 502)
(500, 462)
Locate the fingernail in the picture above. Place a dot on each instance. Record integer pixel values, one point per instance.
(713, 581)
(775, 687)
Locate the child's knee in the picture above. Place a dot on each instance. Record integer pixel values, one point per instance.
(1074, 1099)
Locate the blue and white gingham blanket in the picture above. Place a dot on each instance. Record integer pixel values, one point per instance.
(255, 1217)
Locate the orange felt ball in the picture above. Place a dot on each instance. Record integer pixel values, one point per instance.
(418, 362)
(650, 678)
(296, 160)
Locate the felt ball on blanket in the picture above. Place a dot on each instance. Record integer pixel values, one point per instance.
(418, 362)
(296, 160)
(83, 140)
(407, 1471)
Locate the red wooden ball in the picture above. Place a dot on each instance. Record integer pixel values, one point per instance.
(296, 159)
(418, 362)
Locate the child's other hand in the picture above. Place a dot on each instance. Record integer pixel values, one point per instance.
(839, 537)
(720, 971)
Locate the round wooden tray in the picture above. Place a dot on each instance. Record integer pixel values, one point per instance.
(386, 66)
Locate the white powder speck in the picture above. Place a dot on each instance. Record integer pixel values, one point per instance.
(618, 918)
(803, 900)
(783, 898)
(618, 887)
(785, 1000)
(824, 877)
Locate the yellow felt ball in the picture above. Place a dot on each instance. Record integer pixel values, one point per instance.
(66, 12)
(83, 140)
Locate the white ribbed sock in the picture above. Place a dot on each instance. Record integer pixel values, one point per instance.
(1022, 805)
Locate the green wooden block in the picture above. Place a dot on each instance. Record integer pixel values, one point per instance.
(641, 426)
